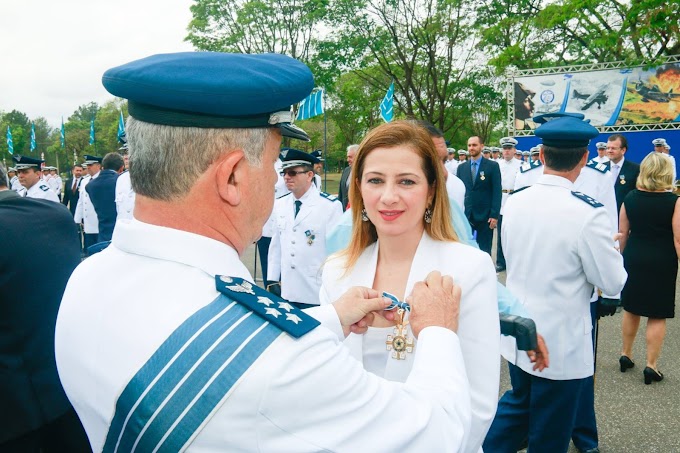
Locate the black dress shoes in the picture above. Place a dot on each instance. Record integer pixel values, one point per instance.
(651, 374)
(625, 363)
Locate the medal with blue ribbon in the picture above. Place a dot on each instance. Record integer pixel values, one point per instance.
(400, 342)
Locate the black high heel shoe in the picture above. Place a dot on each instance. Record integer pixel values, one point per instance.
(625, 363)
(651, 374)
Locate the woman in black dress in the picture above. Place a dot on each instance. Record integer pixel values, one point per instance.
(649, 225)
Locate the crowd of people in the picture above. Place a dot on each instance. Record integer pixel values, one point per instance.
(380, 302)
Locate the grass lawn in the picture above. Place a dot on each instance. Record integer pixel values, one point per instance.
(330, 183)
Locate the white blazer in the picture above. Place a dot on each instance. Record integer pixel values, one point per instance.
(479, 325)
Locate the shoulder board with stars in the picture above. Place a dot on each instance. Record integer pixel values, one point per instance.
(267, 306)
(598, 166)
(590, 200)
(526, 166)
(278, 198)
(329, 196)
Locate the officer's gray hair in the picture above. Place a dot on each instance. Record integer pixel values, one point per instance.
(4, 181)
(166, 161)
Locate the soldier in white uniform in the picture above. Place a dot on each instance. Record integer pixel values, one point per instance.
(30, 177)
(298, 247)
(85, 213)
(554, 280)
(14, 183)
(125, 196)
(601, 157)
(188, 309)
(55, 181)
(451, 162)
(509, 168)
(462, 156)
(518, 155)
(661, 146)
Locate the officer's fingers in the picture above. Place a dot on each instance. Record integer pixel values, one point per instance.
(375, 304)
(434, 280)
(447, 284)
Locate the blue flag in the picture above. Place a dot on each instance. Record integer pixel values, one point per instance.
(311, 106)
(387, 105)
(62, 134)
(33, 145)
(92, 132)
(10, 143)
(121, 128)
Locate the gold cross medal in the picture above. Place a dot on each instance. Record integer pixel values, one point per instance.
(310, 237)
(400, 342)
(622, 179)
(481, 176)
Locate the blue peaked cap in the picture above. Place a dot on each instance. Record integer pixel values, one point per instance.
(24, 162)
(565, 130)
(294, 158)
(213, 90)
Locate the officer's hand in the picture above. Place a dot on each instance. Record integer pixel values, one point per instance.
(356, 309)
(607, 307)
(540, 357)
(273, 287)
(493, 223)
(434, 302)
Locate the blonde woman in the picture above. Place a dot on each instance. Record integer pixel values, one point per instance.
(649, 225)
(401, 230)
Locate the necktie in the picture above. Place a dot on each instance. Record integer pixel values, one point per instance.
(616, 168)
(474, 170)
(75, 185)
(298, 203)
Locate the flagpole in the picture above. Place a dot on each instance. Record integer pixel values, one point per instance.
(325, 152)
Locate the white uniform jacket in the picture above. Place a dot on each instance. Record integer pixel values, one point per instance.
(125, 197)
(16, 186)
(55, 184)
(557, 246)
(479, 325)
(42, 191)
(509, 170)
(301, 395)
(85, 212)
(298, 247)
(280, 190)
(451, 166)
(456, 189)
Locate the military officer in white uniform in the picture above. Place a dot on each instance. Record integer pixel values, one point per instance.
(554, 279)
(509, 168)
(187, 308)
(14, 183)
(85, 213)
(30, 177)
(661, 146)
(125, 196)
(298, 247)
(601, 157)
(55, 181)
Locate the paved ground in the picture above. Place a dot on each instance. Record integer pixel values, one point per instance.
(632, 417)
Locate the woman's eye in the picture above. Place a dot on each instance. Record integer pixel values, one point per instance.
(407, 182)
(374, 181)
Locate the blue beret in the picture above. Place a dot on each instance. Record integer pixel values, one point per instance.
(213, 90)
(294, 158)
(564, 130)
(23, 162)
(89, 160)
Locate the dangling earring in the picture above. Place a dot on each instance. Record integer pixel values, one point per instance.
(428, 215)
(364, 217)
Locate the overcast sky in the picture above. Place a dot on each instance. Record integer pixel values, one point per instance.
(55, 52)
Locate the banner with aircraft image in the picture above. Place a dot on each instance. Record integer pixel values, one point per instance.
(611, 97)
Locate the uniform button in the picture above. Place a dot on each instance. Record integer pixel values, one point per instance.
(292, 242)
(294, 230)
(292, 254)
(292, 266)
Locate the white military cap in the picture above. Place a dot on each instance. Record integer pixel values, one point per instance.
(601, 145)
(659, 142)
(535, 150)
(526, 153)
(508, 142)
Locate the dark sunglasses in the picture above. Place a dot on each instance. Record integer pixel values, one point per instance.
(293, 173)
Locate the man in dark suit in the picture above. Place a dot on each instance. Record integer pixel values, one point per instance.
(35, 413)
(343, 189)
(482, 179)
(102, 192)
(71, 192)
(624, 172)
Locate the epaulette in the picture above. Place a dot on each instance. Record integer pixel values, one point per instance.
(278, 198)
(590, 200)
(514, 192)
(526, 166)
(43, 187)
(329, 196)
(267, 306)
(599, 166)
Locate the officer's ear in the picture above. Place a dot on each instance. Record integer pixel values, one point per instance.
(231, 174)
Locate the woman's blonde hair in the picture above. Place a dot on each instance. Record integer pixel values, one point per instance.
(390, 135)
(656, 173)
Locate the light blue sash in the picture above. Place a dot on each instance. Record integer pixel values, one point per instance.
(188, 378)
